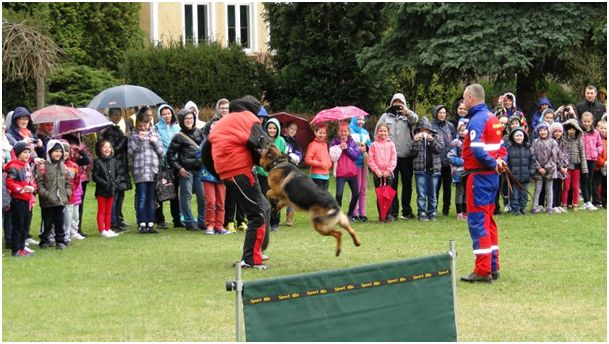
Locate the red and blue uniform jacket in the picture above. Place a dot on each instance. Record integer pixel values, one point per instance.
(483, 144)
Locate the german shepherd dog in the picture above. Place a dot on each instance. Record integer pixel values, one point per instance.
(289, 186)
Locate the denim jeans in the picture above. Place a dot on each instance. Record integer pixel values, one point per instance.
(427, 184)
(520, 198)
(187, 186)
(144, 202)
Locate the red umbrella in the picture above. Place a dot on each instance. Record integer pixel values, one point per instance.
(304, 134)
(338, 113)
(384, 195)
(55, 113)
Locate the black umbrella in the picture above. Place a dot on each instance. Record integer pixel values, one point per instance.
(124, 96)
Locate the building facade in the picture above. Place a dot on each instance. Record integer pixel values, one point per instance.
(197, 21)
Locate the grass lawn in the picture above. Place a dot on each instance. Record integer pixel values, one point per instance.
(170, 286)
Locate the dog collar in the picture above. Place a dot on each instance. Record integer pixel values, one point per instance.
(276, 162)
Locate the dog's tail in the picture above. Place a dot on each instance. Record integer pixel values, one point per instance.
(331, 217)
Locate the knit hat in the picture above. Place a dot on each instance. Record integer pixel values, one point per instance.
(555, 127)
(19, 147)
(462, 122)
(542, 125)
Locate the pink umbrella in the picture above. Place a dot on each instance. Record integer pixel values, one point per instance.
(338, 113)
(54, 113)
(89, 121)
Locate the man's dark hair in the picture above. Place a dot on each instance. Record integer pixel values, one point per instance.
(247, 103)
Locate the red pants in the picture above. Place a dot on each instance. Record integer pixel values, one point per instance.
(215, 193)
(104, 212)
(571, 183)
(481, 190)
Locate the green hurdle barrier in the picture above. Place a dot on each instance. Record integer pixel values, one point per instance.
(405, 300)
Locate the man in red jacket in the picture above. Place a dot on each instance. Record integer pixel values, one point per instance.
(235, 141)
(483, 157)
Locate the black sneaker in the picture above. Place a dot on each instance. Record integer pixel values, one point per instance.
(390, 218)
(61, 246)
(423, 217)
(162, 225)
(495, 275)
(142, 230)
(245, 265)
(178, 224)
(44, 245)
(474, 277)
(410, 216)
(433, 217)
(192, 227)
(363, 219)
(153, 230)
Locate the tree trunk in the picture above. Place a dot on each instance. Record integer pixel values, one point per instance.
(525, 94)
(40, 92)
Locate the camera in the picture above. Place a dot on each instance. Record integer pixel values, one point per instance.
(397, 108)
(35, 141)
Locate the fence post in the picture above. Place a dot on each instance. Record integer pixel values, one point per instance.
(452, 250)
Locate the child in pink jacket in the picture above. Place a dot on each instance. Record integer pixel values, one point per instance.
(346, 151)
(382, 160)
(593, 147)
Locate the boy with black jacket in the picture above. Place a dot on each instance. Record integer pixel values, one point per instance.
(522, 164)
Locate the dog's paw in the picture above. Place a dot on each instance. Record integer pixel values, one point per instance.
(337, 253)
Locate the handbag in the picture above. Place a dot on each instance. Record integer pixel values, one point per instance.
(165, 185)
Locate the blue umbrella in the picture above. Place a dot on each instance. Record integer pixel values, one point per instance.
(125, 96)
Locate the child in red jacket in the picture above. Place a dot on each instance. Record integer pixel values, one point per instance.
(21, 187)
(318, 157)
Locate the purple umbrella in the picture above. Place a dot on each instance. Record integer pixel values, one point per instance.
(89, 121)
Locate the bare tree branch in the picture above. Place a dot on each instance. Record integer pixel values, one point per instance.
(27, 52)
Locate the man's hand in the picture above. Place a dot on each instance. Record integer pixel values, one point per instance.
(501, 166)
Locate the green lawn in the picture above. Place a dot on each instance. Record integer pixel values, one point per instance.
(170, 287)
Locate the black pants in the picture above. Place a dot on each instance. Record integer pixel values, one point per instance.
(21, 218)
(323, 184)
(600, 188)
(258, 211)
(340, 187)
(83, 185)
(587, 183)
(174, 209)
(264, 187)
(53, 218)
(445, 184)
(556, 192)
(404, 170)
(232, 210)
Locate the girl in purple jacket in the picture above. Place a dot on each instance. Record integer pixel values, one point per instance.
(345, 152)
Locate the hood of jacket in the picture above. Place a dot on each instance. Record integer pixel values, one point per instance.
(217, 107)
(274, 121)
(542, 101)
(511, 95)
(182, 114)
(424, 124)
(572, 123)
(356, 128)
(52, 145)
(515, 116)
(542, 125)
(174, 118)
(14, 128)
(193, 107)
(518, 129)
(434, 113)
(400, 97)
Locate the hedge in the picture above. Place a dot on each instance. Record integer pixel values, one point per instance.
(203, 73)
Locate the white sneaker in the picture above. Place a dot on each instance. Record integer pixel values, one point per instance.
(590, 207)
(113, 233)
(30, 241)
(507, 209)
(27, 249)
(77, 236)
(557, 210)
(108, 234)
